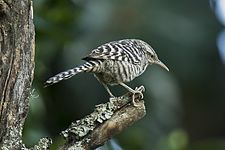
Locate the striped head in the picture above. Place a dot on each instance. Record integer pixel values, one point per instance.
(151, 54)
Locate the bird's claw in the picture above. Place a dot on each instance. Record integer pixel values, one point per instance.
(141, 88)
(138, 91)
(112, 98)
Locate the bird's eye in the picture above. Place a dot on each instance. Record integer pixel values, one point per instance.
(152, 56)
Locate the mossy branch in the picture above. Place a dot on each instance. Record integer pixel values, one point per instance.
(106, 121)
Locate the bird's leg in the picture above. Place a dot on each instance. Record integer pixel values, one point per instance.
(105, 85)
(137, 91)
(108, 90)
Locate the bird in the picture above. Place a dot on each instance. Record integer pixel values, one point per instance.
(115, 63)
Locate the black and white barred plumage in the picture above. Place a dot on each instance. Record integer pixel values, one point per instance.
(115, 63)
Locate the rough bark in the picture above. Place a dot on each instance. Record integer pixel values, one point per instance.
(105, 122)
(16, 69)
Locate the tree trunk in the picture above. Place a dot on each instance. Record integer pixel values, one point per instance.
(16, 69)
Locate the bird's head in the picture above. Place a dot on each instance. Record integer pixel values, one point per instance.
(152, 56)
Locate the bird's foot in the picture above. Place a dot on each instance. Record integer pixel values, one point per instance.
(136, 94)
(141, 88)
(112, 98)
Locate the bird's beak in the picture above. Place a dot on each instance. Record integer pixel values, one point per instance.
(162, 65)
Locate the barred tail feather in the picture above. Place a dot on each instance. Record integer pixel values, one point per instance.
(87, 67)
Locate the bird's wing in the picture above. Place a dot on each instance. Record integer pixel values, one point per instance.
(117, 50)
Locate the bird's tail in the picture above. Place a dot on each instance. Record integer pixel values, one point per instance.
(89, 66)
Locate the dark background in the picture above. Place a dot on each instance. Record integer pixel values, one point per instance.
(185, 107)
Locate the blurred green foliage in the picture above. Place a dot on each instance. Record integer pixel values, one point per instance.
(185, 107)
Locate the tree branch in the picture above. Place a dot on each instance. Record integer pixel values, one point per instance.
(106, 121)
